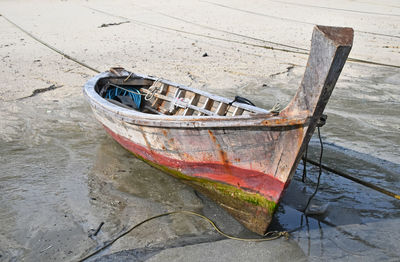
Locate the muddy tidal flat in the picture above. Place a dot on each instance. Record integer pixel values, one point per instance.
(61, 176)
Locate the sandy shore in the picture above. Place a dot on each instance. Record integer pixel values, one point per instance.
(61, 175)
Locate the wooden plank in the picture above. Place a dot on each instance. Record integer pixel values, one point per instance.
(193, 102)
(221, 110)
(238, 111)
(152, 110)
(179, 103)
(131, 81)
(157, 102)
(203, 111)
(145, 80)
(164, 105)
(207, 105)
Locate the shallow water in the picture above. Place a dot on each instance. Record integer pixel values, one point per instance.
(61, 175)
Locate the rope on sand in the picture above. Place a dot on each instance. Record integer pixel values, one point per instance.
(51, 47)
(354, 179)
(354, 60)
(272, 235)
(306, 52)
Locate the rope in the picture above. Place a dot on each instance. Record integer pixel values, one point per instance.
(320, 170)
(361, 61)
(303, 179)
(354, 179)
(127, 90)
(289, 19)
(354, 60)
(118, 91)
(337, 9)
(276, 108)
(51, 47)
(339, 173)
(219, 30)
(145, 24)
(272, 235)
(153, 89)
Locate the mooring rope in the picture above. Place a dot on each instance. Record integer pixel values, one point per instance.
(319, 171)
(288, 19)
(51, 47)
(216, 29)
(304, 177)
(150, 25)
(272, 235)
(354, 179)
(145, 24)
(339, 173)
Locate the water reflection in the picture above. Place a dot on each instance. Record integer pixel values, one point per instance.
(357, 217)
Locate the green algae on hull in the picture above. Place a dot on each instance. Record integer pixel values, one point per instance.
(223, 189)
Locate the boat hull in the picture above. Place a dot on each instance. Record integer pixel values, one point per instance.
(243, 162)
(233, 166)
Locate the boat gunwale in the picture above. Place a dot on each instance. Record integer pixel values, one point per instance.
(140, 118)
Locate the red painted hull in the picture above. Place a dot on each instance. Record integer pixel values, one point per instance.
(246, 179)
(212, 175)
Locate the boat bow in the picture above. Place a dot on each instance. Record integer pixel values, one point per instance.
(330, 47)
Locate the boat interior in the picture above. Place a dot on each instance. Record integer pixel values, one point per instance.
(155, 96)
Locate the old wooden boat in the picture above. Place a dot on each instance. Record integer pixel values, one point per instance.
(241, 156)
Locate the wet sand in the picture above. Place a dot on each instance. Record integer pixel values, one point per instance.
(61, 175)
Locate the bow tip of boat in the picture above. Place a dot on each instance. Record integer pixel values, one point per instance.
(342, 36)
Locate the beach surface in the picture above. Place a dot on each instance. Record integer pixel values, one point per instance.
(61, 175)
